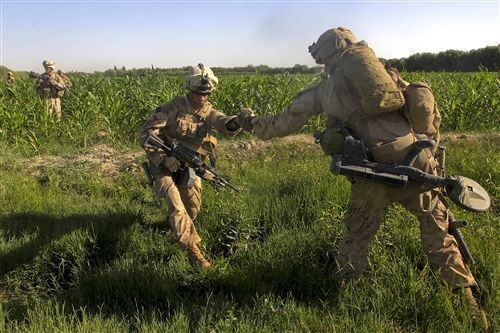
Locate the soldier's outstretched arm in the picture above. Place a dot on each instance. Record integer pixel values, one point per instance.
(291, 120)
(225, 125)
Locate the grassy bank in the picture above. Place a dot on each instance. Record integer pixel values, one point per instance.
(84, 246)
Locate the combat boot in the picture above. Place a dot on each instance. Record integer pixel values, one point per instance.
(196, 258)
(479, 315)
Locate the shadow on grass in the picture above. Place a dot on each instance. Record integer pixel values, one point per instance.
(288, 272)
(44, 229)
(202, 295)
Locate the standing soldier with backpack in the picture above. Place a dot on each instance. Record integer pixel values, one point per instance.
(360, 98)
(66, 79)
(50, 86)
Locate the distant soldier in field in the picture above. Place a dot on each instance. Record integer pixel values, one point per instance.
(66, 79)
(188, 119)
(10, 78)
(360, 98)
(50, 86)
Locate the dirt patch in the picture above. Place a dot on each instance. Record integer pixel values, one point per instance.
(110, 161)
(468, 136)
(43, 161)
(299, 138)
(105, 159)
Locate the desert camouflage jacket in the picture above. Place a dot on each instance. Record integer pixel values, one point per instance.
(50, 85)
(179, 120)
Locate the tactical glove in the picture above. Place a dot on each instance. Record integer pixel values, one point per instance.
(244, 118)
(171, 163)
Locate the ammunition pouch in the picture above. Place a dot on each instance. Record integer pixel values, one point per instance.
(331, 141)
(185, 177)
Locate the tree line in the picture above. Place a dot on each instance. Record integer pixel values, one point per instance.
(486, 58)
(450, 61)
(249, 69)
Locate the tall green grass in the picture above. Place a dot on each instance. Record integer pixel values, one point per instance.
(82, 250)
(100, 108)
(86, 250)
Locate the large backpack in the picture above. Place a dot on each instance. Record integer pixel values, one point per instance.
(370, 82)
(422, 111)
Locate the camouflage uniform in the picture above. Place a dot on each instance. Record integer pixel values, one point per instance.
(66, 79)
(191, 126)
(388, 137)
(10, 78)
(50, 86)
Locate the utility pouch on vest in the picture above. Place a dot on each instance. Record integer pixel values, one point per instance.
(331, 141)
(185, 177)
(394, 151)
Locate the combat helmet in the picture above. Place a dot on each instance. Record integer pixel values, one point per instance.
(201, 79)
(49, 64)
(330, 42)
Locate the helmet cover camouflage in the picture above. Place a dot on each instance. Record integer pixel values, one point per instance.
(49, 64)
(201, 79)
(330, 42)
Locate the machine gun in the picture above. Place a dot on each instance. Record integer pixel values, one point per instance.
(46, 80)
(463, 191)
(189, 159)
(34, 75)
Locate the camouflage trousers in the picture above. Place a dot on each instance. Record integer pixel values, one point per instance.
(366, 210)
(183, 206)
(54, 107)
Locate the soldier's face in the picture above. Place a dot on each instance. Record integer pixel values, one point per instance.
(198, 99)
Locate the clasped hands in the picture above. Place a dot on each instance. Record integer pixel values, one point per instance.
(244, 119)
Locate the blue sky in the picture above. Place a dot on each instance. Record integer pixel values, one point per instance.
(97, 35)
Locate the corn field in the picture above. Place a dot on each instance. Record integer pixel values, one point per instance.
(111, 109)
